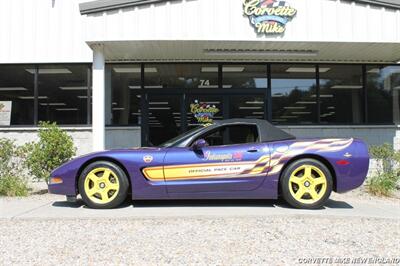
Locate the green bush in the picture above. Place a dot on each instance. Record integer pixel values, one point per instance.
(54, 148)
(384, 181)
(13, 185)
(382, 185)
(12, 178)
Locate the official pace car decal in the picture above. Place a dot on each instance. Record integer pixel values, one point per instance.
(208, 170)
(225, 166)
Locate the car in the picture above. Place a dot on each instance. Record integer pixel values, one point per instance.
(228, 159)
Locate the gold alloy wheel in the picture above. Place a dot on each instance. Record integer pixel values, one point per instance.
(307, 184)
(101, 185)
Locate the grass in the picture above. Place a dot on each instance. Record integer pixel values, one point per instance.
(382, 185)
(13, 186)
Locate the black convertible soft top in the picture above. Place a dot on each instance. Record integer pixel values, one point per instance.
(267, 131)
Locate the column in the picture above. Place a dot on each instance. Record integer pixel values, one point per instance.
(98, 111)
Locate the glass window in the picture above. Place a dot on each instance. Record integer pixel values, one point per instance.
(63, 93)
(17, 93)
(164, 118)
(201, 76)
(383, 85)
(293, 90)
(241, 134)
(244, 76)
(215, 138)
(230, 135)
(125, 94)
(245, 106)
(341, 94)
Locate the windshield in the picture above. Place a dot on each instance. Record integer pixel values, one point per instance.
(175, 141)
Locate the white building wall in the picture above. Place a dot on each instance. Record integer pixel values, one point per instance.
(53, 31)
(316, 21)
(42, 31)
(116, 137)
(82, 137)
(122, 137)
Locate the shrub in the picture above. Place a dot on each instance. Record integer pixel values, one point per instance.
(12, 179)
(383, 182)
(382, 185)
(13, 185)
(54, 148)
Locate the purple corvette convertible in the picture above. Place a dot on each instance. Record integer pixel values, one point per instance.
(230, 159)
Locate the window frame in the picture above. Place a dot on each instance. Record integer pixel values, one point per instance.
(268, 100)
(213, 130)
(36, 89)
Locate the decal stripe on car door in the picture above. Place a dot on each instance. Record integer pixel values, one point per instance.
(208, 170)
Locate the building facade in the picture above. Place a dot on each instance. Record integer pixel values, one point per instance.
(138, 72)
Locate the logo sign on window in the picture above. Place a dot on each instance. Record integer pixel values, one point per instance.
(268, 16)
(203, 112)
(5, 113)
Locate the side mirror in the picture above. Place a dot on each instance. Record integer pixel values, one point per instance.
(199, 144)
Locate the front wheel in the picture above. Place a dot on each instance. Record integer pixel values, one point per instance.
(103, 185)
(306, 184)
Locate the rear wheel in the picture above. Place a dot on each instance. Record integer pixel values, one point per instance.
(103, 185)
(306, 184)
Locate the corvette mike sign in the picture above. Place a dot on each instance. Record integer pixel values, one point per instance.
(5, 113)
(203, 112)
(268, 16)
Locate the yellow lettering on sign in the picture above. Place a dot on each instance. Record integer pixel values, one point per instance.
(268, 19)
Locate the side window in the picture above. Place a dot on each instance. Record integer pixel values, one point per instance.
(241, 134)
(228, 135)
(215, 138)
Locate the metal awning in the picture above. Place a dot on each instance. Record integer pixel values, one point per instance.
(221, 51)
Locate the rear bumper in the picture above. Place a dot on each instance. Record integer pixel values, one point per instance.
(355, 176)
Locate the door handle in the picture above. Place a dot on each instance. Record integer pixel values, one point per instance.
(252, 150)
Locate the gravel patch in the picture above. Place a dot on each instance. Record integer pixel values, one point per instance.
(224, 241)
(361, 195)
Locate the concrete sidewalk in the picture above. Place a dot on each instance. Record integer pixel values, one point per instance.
(55, 207)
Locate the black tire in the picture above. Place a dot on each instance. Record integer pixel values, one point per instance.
(286, 190)
(123, 182)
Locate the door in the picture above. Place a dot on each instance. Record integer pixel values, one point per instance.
(164, 116)
(234, 161)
